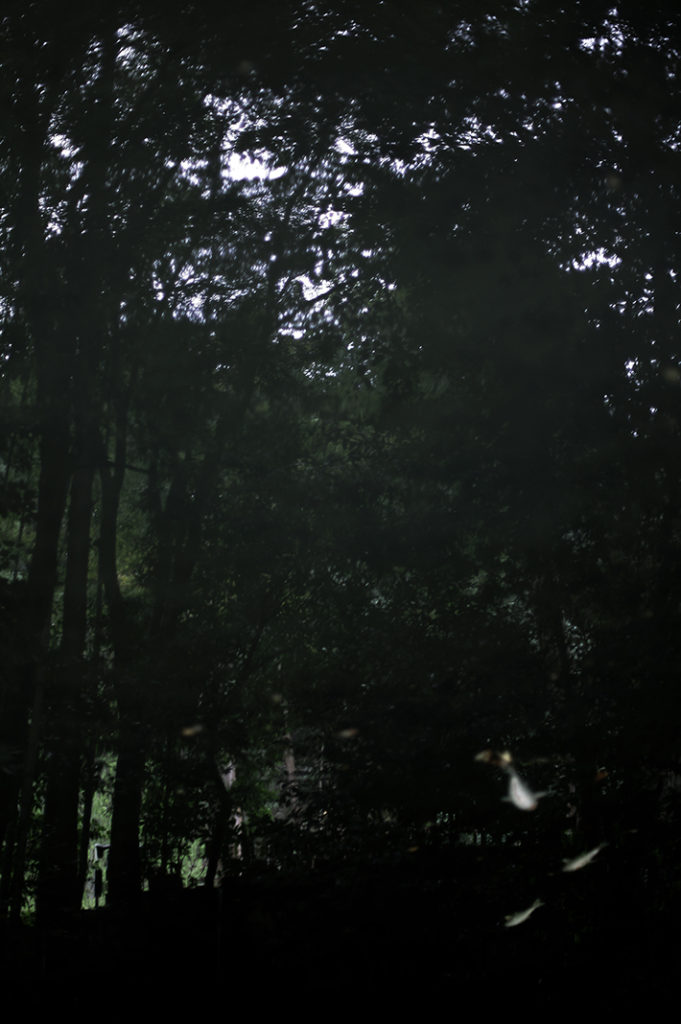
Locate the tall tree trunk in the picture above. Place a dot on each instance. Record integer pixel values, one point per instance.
(59, 887)
(90, 319)
(125, 868)
(52, 347)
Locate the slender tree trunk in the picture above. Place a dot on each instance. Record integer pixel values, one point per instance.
(124, 870)
(59, 888)
(89, 787)
(125, 867)
(52, 354)
(26, 808)
(90, 320)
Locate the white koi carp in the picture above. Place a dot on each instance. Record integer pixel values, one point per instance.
(515, 919)
(583, 859)
(519, 793)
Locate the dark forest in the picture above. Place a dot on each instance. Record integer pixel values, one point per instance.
(340, 505)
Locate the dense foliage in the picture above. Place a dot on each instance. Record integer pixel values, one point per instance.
(341, 413)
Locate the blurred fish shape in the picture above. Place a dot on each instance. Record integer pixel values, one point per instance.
(492, 757)
(583, 859)
(519, 793)
(522, 915)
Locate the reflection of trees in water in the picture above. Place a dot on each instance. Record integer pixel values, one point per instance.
(384, 435)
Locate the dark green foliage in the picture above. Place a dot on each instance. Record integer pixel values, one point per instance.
(315, 483)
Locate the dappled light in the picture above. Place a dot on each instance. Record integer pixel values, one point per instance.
(339, 386)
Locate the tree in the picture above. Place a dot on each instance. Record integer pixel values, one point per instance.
(348, 458)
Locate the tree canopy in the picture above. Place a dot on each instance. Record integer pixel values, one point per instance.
(341, 414)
